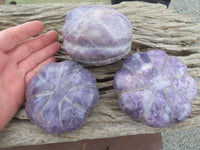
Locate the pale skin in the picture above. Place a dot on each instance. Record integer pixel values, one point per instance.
(21, 58)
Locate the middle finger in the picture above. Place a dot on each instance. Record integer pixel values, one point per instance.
(29, 47)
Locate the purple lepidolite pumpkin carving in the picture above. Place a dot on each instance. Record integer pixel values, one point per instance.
(155, 88)
(97, 35)
(61, 96)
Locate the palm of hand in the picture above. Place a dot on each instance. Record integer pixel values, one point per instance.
(20, 60)
(12, 80)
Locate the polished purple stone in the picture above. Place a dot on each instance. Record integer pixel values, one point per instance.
(61, 96)
(97, 35)
(155, 88)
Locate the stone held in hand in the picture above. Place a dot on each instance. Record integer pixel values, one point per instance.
(61, 96)
(97, 35)
(155, 88)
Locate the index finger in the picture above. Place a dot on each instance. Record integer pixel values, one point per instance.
(12, 36)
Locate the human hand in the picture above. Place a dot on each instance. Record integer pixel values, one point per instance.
(21, 57)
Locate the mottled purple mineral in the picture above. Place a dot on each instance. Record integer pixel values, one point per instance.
(61, 96)
(97, 35)
(155, 88)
